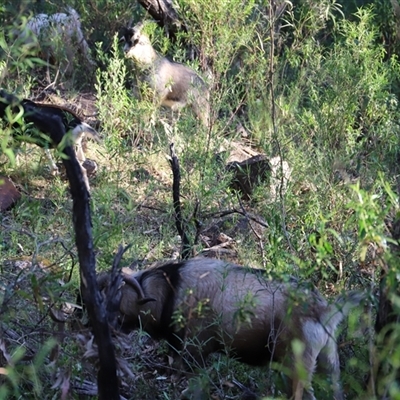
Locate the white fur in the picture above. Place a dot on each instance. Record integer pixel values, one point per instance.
(142, 51)
(42, 28)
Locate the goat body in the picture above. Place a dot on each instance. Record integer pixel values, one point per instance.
(42, 30)
(213, 306)
(175, 85)
(52, 123)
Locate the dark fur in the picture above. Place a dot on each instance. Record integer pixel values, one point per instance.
(32, 114)
(38, 114)
(46, 126)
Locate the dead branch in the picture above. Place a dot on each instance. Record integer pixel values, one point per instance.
(113, 289)
(176, 173)
(107, 375)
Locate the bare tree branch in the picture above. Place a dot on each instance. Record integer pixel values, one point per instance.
(176, 173)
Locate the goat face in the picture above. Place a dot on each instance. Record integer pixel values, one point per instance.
(214, 306)
(138, 46)
(131, 300)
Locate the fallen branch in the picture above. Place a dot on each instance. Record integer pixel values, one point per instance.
(220, 214)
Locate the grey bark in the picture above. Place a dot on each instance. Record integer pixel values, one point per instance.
(164, 14)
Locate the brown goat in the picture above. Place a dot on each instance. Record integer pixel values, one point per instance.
(175, 85)
(211, 306)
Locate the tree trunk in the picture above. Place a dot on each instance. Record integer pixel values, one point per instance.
(164, 14)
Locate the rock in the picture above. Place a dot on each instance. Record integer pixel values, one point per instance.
(90, 166)
(280, 176)
(251, 168)
(249, 173)
(9, 194)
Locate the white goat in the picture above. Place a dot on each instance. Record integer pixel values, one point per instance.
(175, 85)
(58, 36)
(211, 305)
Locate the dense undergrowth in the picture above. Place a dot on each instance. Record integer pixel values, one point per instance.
(318, 87)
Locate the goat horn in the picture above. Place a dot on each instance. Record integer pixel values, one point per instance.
(132, 281)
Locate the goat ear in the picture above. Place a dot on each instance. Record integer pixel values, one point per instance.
(141, 302)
